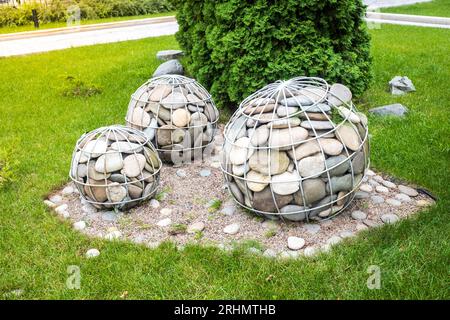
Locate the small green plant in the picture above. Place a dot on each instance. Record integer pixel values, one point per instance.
(198, 235)
(214, 205)
(76, 88)
(270, 233)
(178, 228)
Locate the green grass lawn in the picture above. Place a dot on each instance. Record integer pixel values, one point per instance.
(437, 8)
(53, 25)
(39, 127)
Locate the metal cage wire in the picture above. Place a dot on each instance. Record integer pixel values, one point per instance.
(100, 163)
(177, 114)
(288, 115)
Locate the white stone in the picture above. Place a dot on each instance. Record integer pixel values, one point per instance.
(286, 183)
(49, 204)
(92, 253)
(334, 240)
(196, 227)
(366, 188)
(402, 197)
(389, 218)
(166, 211)
(154, 203)
(393, 202)
(232, 228)
(62, 208)
(269, 253)
(346, 234)
(56, 199)
(79, 225)
(241, 151)
(309, 251)
(295, 243)
(359, 215)
(164, 222)
(68, 190)
(311, 166)
(133, 165)
(113, 235)
(311, 228)
(406, 190)
(389, 184)
(93, 149)
(381, 189)
(181, 118)
(257, 181)
(109, 162)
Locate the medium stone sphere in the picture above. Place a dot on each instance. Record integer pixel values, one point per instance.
(296, 150)
(115, 167)
(177, 114)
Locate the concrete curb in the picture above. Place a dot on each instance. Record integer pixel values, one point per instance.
(411, 20)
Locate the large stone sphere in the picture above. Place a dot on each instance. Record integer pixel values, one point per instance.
(115, 167)
(296, 149)
(177, 114)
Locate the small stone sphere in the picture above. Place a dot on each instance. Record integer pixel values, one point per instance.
(115, 167)
(177, 114)
(296, 150)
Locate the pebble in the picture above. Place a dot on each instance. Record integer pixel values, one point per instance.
(366, 188)
(423, 203)
(334, 240)
(288, 255)
(228, 210)
(92, 253)
(88, 209)
(381, 189)
(181, 173)
(232, 228)
(110, 216)
(79, 225)
(311, 228)
(68, 190)
(253, 250)
(346, 234)
(205, 173)
(56, 199)
(393, 202)
(116, 234)
(371, 223)
(62, 209)
(361, 227)
(164, 222)
(166, 212)
(49, 204)
(378, 179)
(408, 191)
(154, 203)
(295, 243)
(389, 184)
(269, 253)
(196, 227)
(370, 173)
(359, 215)
(361, 195)
(377, 199)
(402, 197)
(309, 251)
(389, 218)
(373, 183)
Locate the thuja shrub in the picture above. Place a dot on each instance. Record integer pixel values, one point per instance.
(234, 47)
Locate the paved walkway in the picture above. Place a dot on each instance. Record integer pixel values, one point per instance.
(373, 4)
(62, 38)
